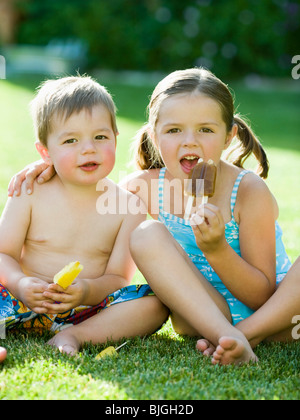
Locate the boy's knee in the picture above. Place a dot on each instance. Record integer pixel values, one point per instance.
(159, 311)
(145, 236)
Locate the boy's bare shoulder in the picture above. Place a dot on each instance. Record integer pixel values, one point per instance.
(44, 190)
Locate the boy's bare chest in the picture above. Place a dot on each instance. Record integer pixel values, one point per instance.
(66, 226)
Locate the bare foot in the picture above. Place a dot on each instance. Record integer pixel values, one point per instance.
(234, 351)
(66, 343)
(205, 347)
(3, 354)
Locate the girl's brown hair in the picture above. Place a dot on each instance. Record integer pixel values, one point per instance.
(203, 81)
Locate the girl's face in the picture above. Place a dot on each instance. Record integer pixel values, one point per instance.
(82, 148)
(189, 127)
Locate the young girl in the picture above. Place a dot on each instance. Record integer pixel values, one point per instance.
(226, 267)
(215, 270)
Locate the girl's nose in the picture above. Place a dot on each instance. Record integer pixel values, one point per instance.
(190, 140)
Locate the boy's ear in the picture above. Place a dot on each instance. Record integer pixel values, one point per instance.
(231, 135)
(43, 151)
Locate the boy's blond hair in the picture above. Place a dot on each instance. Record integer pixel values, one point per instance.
(66, 96)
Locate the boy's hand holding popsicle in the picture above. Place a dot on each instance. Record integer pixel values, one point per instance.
(60, 290)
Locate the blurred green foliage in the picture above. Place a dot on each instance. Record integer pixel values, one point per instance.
(232, 38)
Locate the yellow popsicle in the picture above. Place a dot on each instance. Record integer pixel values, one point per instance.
(68, 274)
(109, 351)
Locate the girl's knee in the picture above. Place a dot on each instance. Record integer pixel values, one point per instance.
(297, 262)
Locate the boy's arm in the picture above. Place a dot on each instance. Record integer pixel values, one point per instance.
(14, 224)
(121, 267)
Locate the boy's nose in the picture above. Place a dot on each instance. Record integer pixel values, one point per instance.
(88, 146)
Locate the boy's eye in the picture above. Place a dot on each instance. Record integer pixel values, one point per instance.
(70, 141)
(100, 137)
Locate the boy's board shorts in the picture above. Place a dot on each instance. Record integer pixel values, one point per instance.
(15, 315)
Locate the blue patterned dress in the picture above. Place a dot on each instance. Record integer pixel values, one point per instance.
(183, 233)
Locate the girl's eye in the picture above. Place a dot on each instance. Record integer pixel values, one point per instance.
(205, 130)
(174, 130)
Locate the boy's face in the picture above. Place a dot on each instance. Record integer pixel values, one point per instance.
(82, 147)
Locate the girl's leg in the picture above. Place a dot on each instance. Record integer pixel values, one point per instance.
(3, 354)
(139, 317)
(181, 287)
(274, 320)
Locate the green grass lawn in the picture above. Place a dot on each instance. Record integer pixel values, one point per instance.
(164, 366)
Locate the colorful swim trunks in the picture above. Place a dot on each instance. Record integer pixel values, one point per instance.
(15, 315)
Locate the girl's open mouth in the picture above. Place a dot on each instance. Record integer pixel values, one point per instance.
(188, 163)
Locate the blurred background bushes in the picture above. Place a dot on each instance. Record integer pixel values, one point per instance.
(231, 37)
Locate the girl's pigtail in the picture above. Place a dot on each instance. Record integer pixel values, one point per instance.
(146, 154)
(248, 144)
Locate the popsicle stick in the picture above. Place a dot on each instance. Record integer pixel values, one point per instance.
(118, 348)
(188, 208)
(204, 199)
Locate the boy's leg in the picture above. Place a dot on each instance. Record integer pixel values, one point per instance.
(139, 317)
(14, 313)
(182, 288)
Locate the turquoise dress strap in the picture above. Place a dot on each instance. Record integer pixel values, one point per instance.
(235, 190)
(161, 181)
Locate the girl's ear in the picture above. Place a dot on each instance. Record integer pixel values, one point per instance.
(152, 136)
(43, 151)
(231, 135)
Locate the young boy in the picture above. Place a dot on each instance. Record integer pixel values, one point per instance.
(61, 222)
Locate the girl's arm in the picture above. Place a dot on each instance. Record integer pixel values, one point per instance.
(39, 171)
(251, 278)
